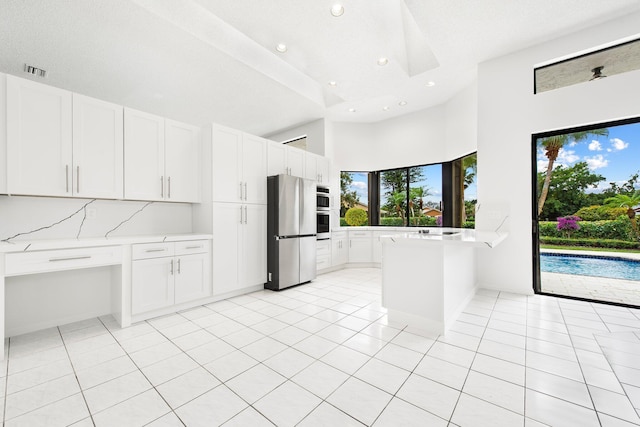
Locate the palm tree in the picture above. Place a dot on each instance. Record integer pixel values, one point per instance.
(416, 196)
(626, 201)
(552, 146)
(398, 199)
(470, 168)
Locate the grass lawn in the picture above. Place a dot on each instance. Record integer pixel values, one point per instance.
(585, 248)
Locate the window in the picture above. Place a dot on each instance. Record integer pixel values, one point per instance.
(616, 59)
(414, 196)
(354, 194)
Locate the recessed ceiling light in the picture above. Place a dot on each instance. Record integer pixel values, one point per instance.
(333, 83)
(383, 61)
(431, 83)
(402, 103)
(337, 10)
(352, 110)
(281, 47)
(385, 108)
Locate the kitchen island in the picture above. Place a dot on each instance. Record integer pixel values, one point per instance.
(429, 276)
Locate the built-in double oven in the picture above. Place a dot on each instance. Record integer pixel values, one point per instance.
(323, 213)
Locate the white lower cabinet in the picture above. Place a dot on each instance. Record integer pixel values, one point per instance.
(377, 245)
(239, 246)
(339, 248)
(166, 274)
(360, 246)
(323, 254)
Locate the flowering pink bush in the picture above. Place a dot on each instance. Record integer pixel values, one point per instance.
(439, 221)
(568, 224)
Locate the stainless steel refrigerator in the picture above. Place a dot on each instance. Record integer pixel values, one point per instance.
(291, 231)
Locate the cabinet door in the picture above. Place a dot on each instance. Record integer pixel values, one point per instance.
(276, 159)
(227, 218)
(339, 251)
(253, 267)
(227, 164)
(181, 148)
(377, 246)
(152, 284)
(360, 250)
(254, 169)
(144, 177)
(310, 166)
(295, 161)
(39, 139)
(323, 170)
(192, 277)
(97, 148)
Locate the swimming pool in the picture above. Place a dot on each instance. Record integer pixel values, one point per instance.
(590, 265)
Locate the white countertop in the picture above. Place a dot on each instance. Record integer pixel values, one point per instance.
(448, 236)
(39, 245)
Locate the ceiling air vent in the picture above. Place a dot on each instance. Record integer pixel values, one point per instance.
(38, 72)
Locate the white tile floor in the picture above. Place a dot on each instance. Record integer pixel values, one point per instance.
(324, 354)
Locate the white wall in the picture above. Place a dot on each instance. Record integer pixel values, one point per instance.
(461, 130)
(19, 214)
(509, 113)
(315, 132)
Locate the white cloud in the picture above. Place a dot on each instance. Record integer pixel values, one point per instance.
(567, 157)
(596, 162)
(595, 146)
(618, 144)
(573, 143)
(542, 165)
(359, 185)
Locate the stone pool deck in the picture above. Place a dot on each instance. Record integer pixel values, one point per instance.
(597, 288)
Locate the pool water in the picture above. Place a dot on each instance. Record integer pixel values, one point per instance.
(588, 265)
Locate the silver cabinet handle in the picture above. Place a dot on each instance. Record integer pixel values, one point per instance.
(73, 258)
(240, 190)
(350, 243)
(171, 270)
(245, 190)
(240, 214)
(78, 179)
(168, 187)
(178, 265)
(162, 187)
(155, 250)
(66, 174)
(193, 247)
(245, 214)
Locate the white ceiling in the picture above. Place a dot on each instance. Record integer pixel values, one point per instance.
(215, 60)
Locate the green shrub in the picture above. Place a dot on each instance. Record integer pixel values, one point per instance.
(356, 217)
(618, 229)
(391, 221)
(599, 213)
(594, 243)
(469, 224)
(343, 222)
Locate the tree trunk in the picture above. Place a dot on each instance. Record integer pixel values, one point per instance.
(545, 186)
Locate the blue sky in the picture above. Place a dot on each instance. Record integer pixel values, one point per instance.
(616, 156)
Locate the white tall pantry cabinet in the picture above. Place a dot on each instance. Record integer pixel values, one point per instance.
(234, 207)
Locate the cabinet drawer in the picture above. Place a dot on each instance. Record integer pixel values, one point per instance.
(323, 248)
(191, 247)
(337, 235)
(152, 250)
(360, 234)
(61, 259)
(323, 262)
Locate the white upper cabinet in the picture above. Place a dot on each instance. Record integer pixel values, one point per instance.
(182, 148)
(3, 135)
(239, 166)
(160, 158)
(143, 156)
(295, 161)
(317, 168)
(282, 159)
(254, 169)
(97, 148)
(227, 164)
(276, 159)
(39, 139)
